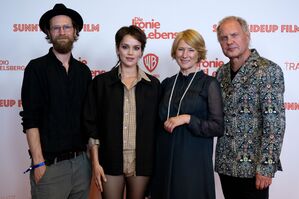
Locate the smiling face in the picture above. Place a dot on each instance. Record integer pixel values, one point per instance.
(233, 40)
(129, 51)
(62, 34)
(186, 57)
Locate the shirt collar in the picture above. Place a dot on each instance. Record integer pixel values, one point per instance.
(141, 74)
(51, 53)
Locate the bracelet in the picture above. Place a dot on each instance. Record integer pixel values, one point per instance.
(35, 166)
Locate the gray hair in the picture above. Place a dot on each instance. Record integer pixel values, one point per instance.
(240, 20)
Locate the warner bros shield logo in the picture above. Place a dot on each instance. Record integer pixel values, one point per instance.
(150, 62)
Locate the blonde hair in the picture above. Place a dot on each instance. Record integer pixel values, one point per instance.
(193, 39)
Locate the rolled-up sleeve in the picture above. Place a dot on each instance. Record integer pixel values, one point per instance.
(31, 95)
(90, 116)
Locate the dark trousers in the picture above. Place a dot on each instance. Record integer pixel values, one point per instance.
(241, 188)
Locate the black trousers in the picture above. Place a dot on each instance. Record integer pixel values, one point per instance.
(241, 188)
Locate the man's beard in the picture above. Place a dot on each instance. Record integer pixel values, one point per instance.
(62, 46)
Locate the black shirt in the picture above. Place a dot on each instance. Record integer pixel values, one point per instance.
(52, 102)
(233, 73)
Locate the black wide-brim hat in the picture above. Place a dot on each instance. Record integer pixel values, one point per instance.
(60, 9)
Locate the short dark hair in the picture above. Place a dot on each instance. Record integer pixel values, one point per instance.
(132, 30)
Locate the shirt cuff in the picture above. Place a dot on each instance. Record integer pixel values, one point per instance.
(92, 142)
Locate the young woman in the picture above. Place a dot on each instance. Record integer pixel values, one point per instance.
(192, 114)
(120, 117)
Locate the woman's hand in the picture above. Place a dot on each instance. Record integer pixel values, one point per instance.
(173, 122)
(99, 176)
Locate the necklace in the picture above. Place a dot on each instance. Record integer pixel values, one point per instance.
(170, 98)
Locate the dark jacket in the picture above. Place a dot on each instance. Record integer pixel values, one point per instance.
(103, 120)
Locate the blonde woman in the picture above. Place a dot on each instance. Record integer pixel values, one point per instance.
(192, 115)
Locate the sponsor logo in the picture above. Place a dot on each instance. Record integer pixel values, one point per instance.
(151, 29)
(5, 66)
(291, 66)
(289, 28)
(35, 28)
(291, 106)
(8, 103)
(4, 62)
(270, 28)
(25, 28)
(210, 66)
(91, 28)
(84, 61)
(94, 72)
(150, 62)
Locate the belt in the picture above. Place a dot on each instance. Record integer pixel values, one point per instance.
(63, 156)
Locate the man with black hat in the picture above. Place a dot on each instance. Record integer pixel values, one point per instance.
(53, 91)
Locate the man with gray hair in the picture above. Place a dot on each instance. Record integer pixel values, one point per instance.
(247, 156)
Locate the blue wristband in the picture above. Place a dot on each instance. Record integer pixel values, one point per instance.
(35, 166)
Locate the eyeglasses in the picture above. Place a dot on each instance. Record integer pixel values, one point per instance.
(66, 28)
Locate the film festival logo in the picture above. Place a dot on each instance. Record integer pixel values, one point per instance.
(150, 62)
(152, 29)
